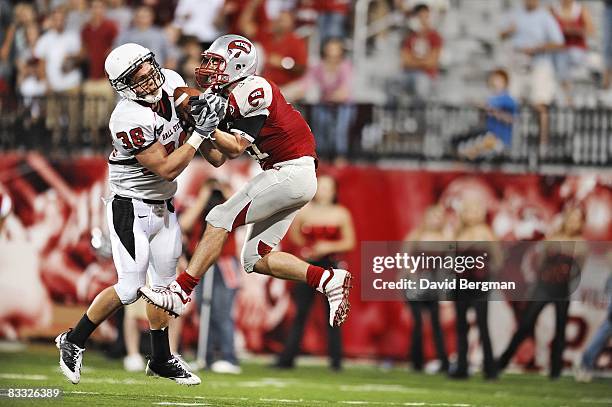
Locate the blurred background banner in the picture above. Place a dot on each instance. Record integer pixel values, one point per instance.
(53, 258)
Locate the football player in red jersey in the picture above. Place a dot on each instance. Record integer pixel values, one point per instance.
(256, 118)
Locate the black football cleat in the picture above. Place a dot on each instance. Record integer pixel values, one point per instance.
(173, 369)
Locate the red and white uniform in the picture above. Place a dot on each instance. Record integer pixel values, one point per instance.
(284, 134)
(284, 145)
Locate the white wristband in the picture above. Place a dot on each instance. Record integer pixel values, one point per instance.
(195, 140)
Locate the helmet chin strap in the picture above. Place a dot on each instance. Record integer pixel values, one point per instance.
(154, 98)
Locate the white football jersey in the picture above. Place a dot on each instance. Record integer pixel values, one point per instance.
(135, 126)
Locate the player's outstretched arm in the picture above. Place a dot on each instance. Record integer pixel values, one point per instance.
(211, 154)
(167, 166)
(231, 145)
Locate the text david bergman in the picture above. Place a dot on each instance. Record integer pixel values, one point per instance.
(425, 284)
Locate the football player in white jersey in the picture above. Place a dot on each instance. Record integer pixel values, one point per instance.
(150, 149)
(258, 120)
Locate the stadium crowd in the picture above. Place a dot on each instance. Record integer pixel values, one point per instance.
(416, 51)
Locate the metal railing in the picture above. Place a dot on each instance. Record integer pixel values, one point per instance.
(426, 132)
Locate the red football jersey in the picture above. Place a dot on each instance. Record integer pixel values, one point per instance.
(259, 112)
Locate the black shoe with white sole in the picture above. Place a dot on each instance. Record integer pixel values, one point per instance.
(173, 369)
(71, 358)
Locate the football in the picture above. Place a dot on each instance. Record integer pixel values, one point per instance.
(181, 104)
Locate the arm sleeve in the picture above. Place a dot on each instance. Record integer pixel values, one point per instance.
(249, 127)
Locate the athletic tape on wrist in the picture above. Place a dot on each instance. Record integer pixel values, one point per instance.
(195, 140)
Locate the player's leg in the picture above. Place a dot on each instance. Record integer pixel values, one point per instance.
(165, 251)
(130, 248)
(266, 202)
(257, 255)
(220, 221)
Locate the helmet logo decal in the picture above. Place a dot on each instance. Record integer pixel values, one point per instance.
(255, 96)
(237, 47)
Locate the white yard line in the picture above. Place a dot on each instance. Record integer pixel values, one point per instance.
(438, 404)
(282, 400)
(607, 401)
(391, 388)
(19, 376)
(88, 393)
(290, 401)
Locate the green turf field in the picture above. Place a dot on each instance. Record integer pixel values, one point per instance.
(104, 382)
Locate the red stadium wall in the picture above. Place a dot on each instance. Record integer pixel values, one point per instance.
(47, 262)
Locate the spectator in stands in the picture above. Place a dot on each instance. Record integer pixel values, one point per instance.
(332, 18)
(97, 38)
(30, 83)
(191, 56)
(77, 14)
(163, 10)
(197, 21)
(285, 55)
(500, 110)
(59, 52)
(233, 10)
(173, 35)
(120, 14)
(607, 43)
(143, 32)
(332, 79)
(577, 25)
(535, 35)
(323, 231)
(14, 44)
(420, 59)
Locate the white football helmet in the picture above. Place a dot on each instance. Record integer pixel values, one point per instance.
(228, 59)
(124, 62)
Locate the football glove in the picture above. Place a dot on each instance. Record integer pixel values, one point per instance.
(215, 102)
(206, 123)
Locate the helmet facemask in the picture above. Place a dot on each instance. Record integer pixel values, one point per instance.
(136, 85)
(211, 71)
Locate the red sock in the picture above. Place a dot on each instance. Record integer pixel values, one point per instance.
(313, 275)
(187, 282)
